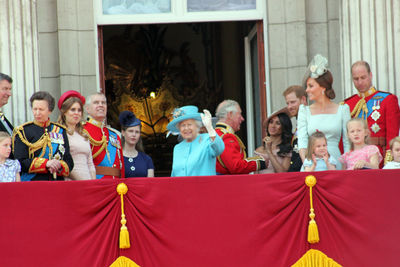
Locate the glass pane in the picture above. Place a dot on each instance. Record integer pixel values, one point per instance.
(223, 5)
(121, 7)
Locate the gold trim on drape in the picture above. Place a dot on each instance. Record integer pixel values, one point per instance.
(124, 262)
(315, 258)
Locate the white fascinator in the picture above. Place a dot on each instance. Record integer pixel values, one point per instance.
(317, 66)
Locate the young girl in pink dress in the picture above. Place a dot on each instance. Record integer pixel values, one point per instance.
(361, 155)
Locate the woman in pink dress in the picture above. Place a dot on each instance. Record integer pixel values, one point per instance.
(361, 155)
(71, 108)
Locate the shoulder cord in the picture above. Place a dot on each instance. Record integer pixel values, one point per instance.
(102, 143)
(44, 141)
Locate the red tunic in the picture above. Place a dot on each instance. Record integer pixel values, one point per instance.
(106, 148)
(384, 124)
(233, 160)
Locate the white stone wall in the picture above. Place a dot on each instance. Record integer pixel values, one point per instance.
(371, 32)
(297, 30)
(67, 47)
(18, 55)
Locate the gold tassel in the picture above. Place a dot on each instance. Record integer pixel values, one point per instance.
(124, 262)
(122, 189)
(313, 235)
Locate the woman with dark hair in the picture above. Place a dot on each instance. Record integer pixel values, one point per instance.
(137, 163)
(323, 115)
(277, 149)
(71, 108)
(41, 146)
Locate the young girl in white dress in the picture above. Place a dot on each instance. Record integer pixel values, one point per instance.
(9, 168)
(317, 157)
(361, 155)
(395, 151)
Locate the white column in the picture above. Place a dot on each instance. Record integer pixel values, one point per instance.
(370, 31)
(19, 55)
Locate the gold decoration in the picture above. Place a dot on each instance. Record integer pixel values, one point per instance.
(315, 258)
(122, 189)
(313, 235)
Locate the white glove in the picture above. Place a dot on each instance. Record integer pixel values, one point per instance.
(206, 118)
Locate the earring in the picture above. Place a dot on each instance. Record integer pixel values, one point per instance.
(323, 92)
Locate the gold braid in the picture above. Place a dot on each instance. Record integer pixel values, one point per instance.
(360, 106)
(102, 143)
(44, 141)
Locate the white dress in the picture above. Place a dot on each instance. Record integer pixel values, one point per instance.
(332, 125)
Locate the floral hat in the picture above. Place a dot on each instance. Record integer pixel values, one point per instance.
(128, 119)
(317, 67)
(181, 114)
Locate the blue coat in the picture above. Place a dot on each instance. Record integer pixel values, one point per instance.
(197, 158)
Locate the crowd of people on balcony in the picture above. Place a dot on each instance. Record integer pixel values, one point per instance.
(359, 133)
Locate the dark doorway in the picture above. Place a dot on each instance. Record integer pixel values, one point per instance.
(151, 69)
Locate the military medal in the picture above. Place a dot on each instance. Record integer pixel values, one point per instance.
(375, 127)
(113, 141)
(61, 148)
(56, 138)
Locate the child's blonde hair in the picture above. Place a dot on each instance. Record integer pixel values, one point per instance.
(3, 136)
(394, 140)
(311, 142)
(364, 124)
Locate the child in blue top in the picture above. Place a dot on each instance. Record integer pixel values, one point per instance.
(317, 157)
(9, 168)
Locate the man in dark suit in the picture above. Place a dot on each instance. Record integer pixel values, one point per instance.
(5, 93)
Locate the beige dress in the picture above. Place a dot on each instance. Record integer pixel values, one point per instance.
(270, 168)
(82, 155)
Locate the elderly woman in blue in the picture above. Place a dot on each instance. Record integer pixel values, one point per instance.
(196, 155)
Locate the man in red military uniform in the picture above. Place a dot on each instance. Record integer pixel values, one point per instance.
(104, 141)
(380, 109)
(233, 160)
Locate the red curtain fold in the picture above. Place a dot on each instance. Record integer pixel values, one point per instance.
(240, 220)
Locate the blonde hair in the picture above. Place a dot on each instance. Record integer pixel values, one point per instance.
(394, 140)
(363, 123)
(3, 136)
(311, 142)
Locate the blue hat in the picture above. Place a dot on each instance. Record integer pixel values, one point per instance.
(181, 114)
(128, 119)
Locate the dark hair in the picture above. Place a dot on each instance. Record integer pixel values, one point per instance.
(66, 105)
(311, 141)
(326, 81)
(139, 145)
(5, 77)
(297, 89)
(285, 146)
(43, 95)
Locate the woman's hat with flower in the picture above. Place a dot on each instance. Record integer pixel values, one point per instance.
(128, 119)
(68, 94)
(181, 114)
(317, 67)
